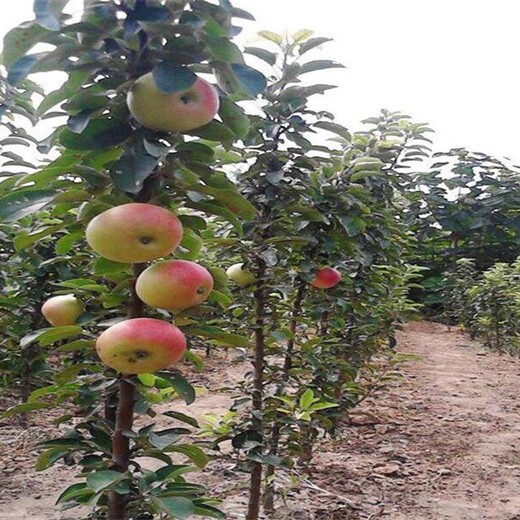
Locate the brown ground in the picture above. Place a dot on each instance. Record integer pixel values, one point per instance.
(442, 443)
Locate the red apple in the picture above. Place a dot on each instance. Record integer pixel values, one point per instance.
(62, 310)
(174, 285)
(176, 112)
(141, 345)
(326, 278)
(134, 233)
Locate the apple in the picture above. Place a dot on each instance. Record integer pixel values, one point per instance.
(174, 285)
(176, 112)
(62, 310)
(141, 345)
(326, 278)
(242, 277)
(134, 233)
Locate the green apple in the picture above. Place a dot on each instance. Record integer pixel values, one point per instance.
(62, 310)
(174, 285)
(326, 278)
(242, 277)
(176, 112)
(134, 233)
(141, 345)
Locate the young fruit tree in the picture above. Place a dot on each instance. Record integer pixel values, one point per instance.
(125, 185)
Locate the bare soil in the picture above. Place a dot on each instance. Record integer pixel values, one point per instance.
(443, 442)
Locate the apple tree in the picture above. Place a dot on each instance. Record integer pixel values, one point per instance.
(319, 204)
(100, 157)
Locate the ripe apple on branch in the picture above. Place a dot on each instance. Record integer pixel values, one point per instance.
(178, 111)
(62, 310)
(326, 278)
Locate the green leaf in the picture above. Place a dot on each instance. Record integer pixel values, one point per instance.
(22, 203)
(26, 239)
(23, 408)
(76, 79)
(46, 12)
(169, 78)
(312, 43)
(131, 170)
(50, 335)
(104, 267)
(251, 81)
(39, 392)
(353, 225)
(302, 34)
(23, 66)
(215, 131)
(209, 331)
(50, 172)
(232, 200)
(99, 134)
(69, 374)
(222, 299)
(322, 406)
(312, 66)
(195, 359)
(194, 453)
(104, 479)
(147, 379)
(181, 386)
(214, 208)
(272, 460)
(78, 344)
(263, 54)
(334, 128)
(224, 50)
(183, 418)
(65, 243)
(306, 399)
(190, 246)
(47, 458)
(20, 40)
(162, 441)
(74, 491)
(177, 507)
(271, 36)
(234, 117)
(210, 511)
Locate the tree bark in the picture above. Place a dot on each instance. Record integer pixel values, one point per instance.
(255, 485)
(124, 416)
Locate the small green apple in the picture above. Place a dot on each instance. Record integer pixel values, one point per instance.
(62, 310)
(141, 345)
(176, 112)
(174, 285)
(134, 233)
(242, 277)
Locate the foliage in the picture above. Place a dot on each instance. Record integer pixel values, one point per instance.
(285, 191)
(487, 305)
(464, 206)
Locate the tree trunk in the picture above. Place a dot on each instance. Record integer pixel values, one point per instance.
(255, 485)
(124, 417)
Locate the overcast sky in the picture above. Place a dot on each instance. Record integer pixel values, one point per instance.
(452, 63)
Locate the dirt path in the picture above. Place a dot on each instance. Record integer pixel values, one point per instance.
(442, 443)
(448, 445)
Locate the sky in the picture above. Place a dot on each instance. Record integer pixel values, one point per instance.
(450, 63)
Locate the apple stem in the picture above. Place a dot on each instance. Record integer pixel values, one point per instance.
(125, 415)
(255, 484)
